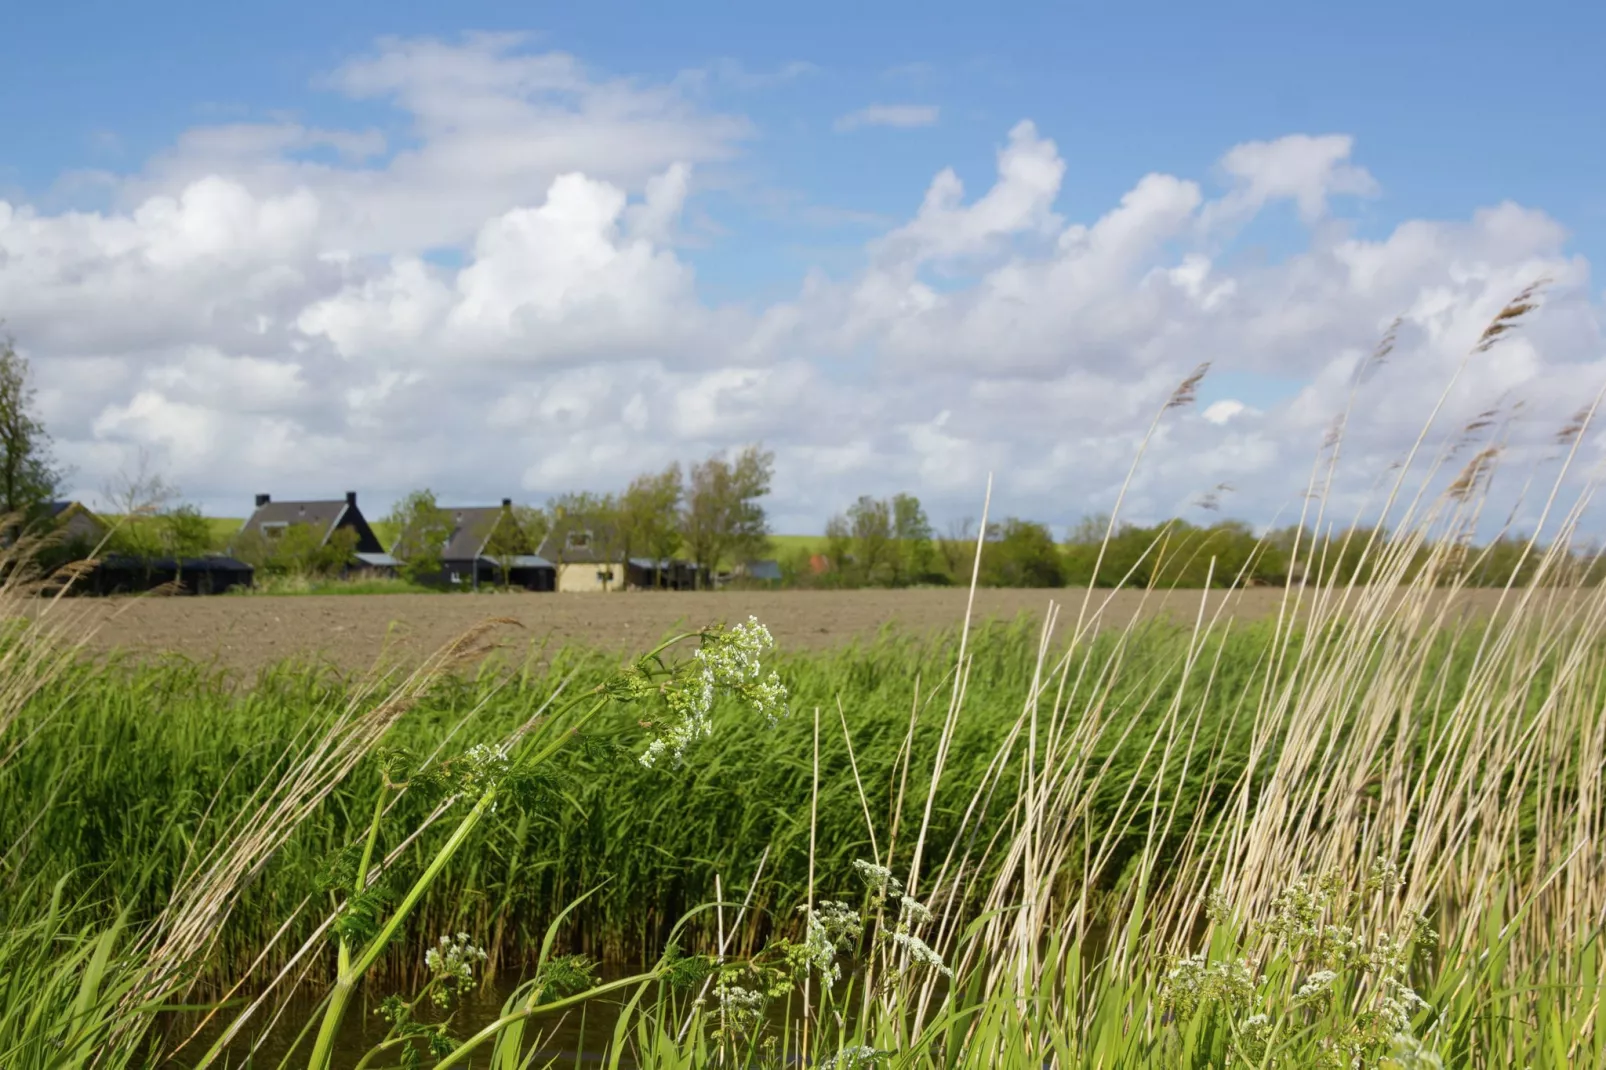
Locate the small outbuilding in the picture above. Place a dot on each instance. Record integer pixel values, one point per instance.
(122, 574)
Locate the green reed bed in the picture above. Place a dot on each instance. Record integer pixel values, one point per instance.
(135, 761)
(128, 767)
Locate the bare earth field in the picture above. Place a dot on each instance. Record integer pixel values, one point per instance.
(348, 632)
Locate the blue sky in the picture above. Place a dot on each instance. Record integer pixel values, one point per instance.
(1451, 108)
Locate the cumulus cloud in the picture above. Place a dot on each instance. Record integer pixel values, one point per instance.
(1224, 411)
(265, 317)
(898, 116)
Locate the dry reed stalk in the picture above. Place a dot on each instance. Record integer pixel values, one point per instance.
(1341, 762)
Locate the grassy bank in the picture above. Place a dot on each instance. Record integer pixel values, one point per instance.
(1171, 763)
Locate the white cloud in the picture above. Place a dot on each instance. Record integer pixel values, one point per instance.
(263, 322)
(898, 116)
(1224, 411)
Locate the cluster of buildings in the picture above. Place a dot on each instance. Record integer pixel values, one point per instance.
(485, 548)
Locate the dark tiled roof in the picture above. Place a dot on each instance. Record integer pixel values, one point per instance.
(472, 528)
(322, 515)
(553, 549)
(209, 563)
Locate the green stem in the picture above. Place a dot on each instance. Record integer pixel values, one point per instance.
(373, 838)
(351, 971)
(323, 1047)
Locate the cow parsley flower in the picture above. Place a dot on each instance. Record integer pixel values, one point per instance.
(832, 927)
(883, 885)
(452, 963)
(855, 1058)
(1317, 987)
(919, 951)
(728, 661)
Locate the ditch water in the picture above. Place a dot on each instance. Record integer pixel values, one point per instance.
(575, 1038)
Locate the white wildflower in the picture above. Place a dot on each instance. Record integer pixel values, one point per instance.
(1409, 1053)
(832, 927)
(856, 1058)
(726, 661)
(741, 1007)
(879, 878)
(452, 963)
(919, 952)
(1316, 987)
(912, 912)
(1399, 1003)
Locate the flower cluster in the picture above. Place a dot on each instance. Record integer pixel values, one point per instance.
(832, 927)
(1195, 982)
(1331, 976)
(452, 964)
(728, 661)
(742, 1007)
(886, 889)
(481, 767)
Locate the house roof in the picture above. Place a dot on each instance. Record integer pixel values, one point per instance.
(327, 516)
(321, 514)
(378, 560)
(762, 570)
(472, 529)
(553, 547)
(209, 563)
(531, 561)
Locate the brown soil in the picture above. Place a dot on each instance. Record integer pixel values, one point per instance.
(349, 632)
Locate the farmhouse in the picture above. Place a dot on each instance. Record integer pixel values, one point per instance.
(76, 525)
(485, 540)
(588, 557)
(583, 554)
(272, 519)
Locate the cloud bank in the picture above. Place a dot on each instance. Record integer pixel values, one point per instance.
(498, 304)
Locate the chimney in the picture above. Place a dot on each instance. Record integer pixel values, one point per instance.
(507, 503)
(263, 499)
(351, 498)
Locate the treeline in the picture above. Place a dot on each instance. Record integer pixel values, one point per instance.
(889, 542)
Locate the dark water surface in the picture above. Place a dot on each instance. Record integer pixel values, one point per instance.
(574, 1037)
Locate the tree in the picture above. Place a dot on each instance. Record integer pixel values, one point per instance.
(28, 476)
(721, 516)
(297, 550)
(839, 547)
(874, 555)
(139, 497)
(1022, 553)
(957, 549)
(649, 516)
(916, 556)
(422, 530)
(185, 532)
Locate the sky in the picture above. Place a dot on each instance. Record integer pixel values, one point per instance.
(510, 250)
